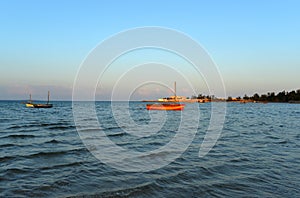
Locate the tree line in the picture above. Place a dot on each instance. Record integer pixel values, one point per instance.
(283, 96)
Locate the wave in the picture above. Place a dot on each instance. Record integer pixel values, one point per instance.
(144, 190)
(31, 125)
(113, 127)
(241, 159)
(16, 127)
(7, 145)
(53, 141)
(117, 134)
(16, 171)
(61, 127)
(58, 166)
(19, 136)
(56, 153)
(6, 158)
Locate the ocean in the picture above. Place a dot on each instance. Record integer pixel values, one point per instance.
(257, 154)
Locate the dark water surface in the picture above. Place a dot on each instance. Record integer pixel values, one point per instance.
(257, 155)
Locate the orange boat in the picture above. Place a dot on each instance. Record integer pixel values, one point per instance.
(166, 107)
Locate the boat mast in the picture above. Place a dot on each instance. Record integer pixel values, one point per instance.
(175, 91)
(48, 97)
(29, 97)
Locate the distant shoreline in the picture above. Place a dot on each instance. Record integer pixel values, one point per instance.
(155, 101)
(281, 97)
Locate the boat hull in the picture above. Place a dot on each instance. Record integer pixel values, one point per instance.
(165, 107)
(30, 105)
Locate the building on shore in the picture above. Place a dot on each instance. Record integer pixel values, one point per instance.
(182, 99)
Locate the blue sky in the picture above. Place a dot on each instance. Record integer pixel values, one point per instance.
(255, 44)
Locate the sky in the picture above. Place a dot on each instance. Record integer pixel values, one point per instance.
(255, 44)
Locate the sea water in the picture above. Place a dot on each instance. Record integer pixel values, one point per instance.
(256, 155)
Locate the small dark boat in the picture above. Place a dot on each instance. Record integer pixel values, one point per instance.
(30, 104)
